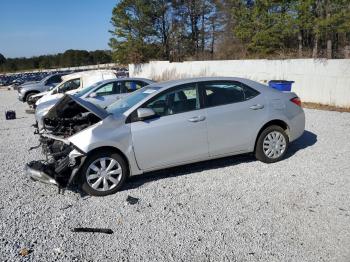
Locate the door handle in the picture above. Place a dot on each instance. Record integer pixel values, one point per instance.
(256, 107)
(196, 119)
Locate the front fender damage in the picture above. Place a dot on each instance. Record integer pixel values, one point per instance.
(63, 159)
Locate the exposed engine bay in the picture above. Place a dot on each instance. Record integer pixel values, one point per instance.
(69, 116)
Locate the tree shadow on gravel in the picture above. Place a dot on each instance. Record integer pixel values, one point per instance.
(306, 140)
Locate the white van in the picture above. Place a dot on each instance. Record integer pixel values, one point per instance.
(74, 82)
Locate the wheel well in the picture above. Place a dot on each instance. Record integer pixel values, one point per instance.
(112, 149)
(30, 92)
(275, 122)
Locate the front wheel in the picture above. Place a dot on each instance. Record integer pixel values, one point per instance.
(272, 144)
(29, 95)
(103, 173)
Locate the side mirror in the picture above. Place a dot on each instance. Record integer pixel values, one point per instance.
(92, 95)
(145, 113)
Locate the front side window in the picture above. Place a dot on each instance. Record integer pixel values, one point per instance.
(105, 90)
(177, 101)
(67, 86)
(70, 85)
(226, 92)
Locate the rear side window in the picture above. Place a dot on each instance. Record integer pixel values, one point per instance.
(226, 92)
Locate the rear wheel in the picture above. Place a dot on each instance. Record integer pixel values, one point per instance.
(272, 144)
(103, 173)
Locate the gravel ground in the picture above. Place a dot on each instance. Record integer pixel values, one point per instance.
(231, 209)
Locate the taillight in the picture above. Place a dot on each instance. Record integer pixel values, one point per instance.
(296, 100)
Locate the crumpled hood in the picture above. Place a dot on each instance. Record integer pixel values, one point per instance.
(63, 106)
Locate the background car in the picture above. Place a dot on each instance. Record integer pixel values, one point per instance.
(107, 92)
(102, 93)
(72, 83)
(26, 90)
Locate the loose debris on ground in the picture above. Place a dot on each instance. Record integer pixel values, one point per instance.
(229, 209)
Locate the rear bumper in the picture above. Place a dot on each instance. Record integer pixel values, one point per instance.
(297, 126)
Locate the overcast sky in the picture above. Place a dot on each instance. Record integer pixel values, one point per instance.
(38, 27)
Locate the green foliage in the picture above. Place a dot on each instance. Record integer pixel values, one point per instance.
(267, 27)
(264, 25)
(69, 58)
(202, 29)
(134, 32)
(161, 29)
(2, 59)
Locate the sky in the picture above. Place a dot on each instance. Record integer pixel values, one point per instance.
(39, 27)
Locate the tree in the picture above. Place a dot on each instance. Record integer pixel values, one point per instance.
(266, 27)
(67, 59)
(162, 29)
(134, 35)
(2, 59)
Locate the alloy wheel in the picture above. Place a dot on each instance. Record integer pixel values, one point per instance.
(274, 144)
(104, 174)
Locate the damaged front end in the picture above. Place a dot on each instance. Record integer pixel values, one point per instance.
(61, 165)
(63, 159)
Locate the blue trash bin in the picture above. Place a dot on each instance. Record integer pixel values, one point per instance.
(281, 85)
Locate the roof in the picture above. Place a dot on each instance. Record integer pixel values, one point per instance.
(149, 81)
(85, 73)
(171, 83)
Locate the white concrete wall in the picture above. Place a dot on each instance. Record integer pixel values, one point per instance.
(318, 81)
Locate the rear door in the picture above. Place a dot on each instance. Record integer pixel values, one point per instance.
(235, 113)
(177, 135)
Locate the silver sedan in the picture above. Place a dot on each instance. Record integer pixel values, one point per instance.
(164, 125)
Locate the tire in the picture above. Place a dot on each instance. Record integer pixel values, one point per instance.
(29, 95)
(93, 176)
(277, 138)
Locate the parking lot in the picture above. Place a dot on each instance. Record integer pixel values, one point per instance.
(230, 209)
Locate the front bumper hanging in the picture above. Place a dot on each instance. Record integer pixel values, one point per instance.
(36, 170)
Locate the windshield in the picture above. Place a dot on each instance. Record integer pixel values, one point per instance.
(87, 89)
(129, 101)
